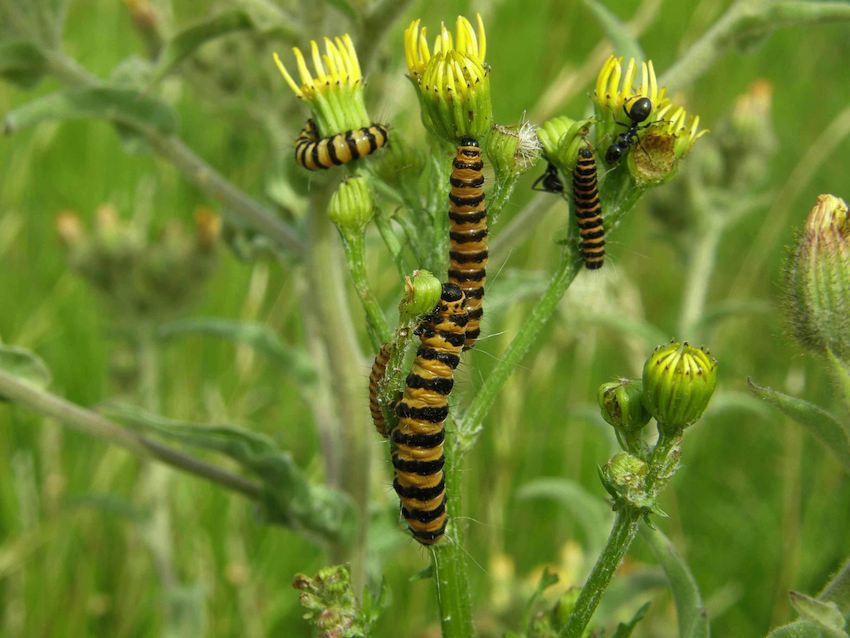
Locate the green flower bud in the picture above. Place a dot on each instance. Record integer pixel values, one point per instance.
(621, 405)
(351, 206)
(421, 295)
(624, 478)
(561, 137)
(678, 381)
(818, 280)
(452, 81)
(513, 149)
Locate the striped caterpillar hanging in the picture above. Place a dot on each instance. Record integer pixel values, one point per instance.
(417, 440)
(314, 153)
(468, 233)
(379, 369)
(588, 210)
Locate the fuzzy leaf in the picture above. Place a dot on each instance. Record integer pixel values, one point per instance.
(621, 40)
(257, 335)
(314, 510)
(190, 39)
(122, 106)
(820, 423)
(21, 63)
(25, 366)
(624, 630)
(805, 629)
(823, 613)
(591, 512)
(690, 611)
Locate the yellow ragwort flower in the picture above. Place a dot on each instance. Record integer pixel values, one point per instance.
(334, 89)
(686, 134)
(452, 79)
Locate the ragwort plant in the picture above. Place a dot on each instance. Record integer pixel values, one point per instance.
(368, 174)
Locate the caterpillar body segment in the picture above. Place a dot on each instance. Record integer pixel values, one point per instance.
(417, 440)
(315, 153)
(468, 233)
(379, 369)
(588, 209)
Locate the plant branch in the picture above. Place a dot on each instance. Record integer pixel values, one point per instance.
(379, 331)
(93, 424)
(745, 20)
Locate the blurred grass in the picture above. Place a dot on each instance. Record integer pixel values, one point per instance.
(758, 508)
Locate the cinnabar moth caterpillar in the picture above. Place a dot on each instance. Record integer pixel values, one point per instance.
(418, 438)
(588, 210)
(379, 369)
(314, 153)
(468, 233)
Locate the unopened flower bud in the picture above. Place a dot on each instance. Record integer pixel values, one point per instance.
(818, 280)
(421, 295)
(678, 381)
(351, 206)
(622, 406)
(513, 149)
(561, 138)
(623, 476)
(207, 228)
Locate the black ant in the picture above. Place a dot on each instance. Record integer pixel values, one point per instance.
(549, 182)
(637, 113)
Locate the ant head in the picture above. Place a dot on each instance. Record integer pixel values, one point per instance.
(639, 110)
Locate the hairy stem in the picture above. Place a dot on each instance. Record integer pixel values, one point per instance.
(470, 422)
(376, 322)
(622, 534)
(837, 590)
(100, 427)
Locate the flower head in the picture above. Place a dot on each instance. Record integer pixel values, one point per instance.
(561, 138)
(334, 90)
(818, 279)
(662, 132)
(451, 79)
(351, 207)
(678, 381)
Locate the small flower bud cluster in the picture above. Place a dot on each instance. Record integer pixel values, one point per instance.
(330, 604)
(141, 277)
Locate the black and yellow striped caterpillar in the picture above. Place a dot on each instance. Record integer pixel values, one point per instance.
(468, 233)
(588, 210)
(379, 369)
(314, 153)
(418, 438)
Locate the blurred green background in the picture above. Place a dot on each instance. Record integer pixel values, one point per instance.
(758, 508)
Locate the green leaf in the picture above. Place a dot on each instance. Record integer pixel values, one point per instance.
(25, 366)
(820, 423)
(805, 629)
(823, 613)
(255, 334)
(690, 611)
(21, 63)
(621, 40)
(591, 512)
(624, 630)
(190, 39)
(315, 511)
(123, 106)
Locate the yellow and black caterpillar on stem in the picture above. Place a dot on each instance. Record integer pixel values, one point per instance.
(468, 233)
(417, 440)
(588, 209)
(314, 153)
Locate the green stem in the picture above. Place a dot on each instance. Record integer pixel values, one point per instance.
(622, 534)
(469, 424)
(392, 244)
(355, 249)
(700, 267)
(329, 306)
(450, 564)
(100, 427)
(842, 374)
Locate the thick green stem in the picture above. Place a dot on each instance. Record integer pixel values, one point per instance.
(469, 424)
(622, 534)
(330, 309)
(100, 427)
(450, 565)
(355, 249)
